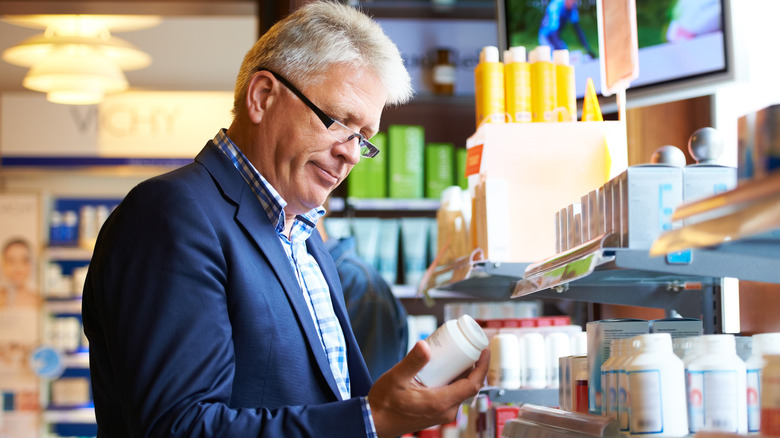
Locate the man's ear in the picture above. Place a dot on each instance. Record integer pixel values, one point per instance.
(259, 95)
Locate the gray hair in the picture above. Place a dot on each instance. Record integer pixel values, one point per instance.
(317, 36)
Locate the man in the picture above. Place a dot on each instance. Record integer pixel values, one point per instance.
(211, 306)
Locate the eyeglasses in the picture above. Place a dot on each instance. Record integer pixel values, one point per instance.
(337, 130)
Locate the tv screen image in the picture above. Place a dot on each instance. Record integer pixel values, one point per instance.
(678, 39)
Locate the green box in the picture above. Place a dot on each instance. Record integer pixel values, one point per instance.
(368, 178)
(439, 168)
(406, 145)
(461, 158)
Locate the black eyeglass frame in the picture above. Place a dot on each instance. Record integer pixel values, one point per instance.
(370, 150)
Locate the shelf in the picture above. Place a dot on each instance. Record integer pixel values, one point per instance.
(425, 9)
(388, 204)
(63, 306)
(75, 415)
(71, 253)
(542, 397)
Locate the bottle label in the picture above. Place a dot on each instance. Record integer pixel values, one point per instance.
(444, 74)
(753, 399)
(712, 400)
(646, 405)
(612, 395)
(623, 396)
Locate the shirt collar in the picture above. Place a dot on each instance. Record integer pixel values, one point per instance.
(273, 204)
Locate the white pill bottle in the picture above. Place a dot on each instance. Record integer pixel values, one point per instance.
(763, 343)
(656, 377)
(716, 384)
(455, 346)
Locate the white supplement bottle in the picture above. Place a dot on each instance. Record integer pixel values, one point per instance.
(622, 392)
(535, 366)
(609, 379)
(716, 386)
(504, 369)
(656, 377)
(763, 343)
(455, 346)
(556, 346)
(770, 396)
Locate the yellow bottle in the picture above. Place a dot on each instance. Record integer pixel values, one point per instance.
(489, 87)
(591, 111)
(542, 85)
(565, 89)
(517, 85)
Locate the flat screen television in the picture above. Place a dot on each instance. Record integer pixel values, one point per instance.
(685, 46)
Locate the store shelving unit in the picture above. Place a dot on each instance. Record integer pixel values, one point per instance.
(687, 282)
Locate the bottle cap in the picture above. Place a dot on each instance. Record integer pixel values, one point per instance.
(653, 343)
(719, 344)
(533, 56)
(518, 53)
(489, 54)
(561, 57)
(543, 53)
(473, 332)
(766, 343)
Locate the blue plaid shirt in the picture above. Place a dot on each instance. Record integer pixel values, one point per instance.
(315, 288)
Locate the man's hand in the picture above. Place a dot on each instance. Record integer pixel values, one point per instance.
(400, 404)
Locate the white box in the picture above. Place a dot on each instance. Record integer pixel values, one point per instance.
(546, 166)
(705, 180)
(649, 195)
(677, 327)
(600, 334)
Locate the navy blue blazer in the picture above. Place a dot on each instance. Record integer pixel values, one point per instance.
(197, 325)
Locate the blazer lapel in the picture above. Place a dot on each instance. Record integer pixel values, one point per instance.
(253, 219)
(358, 372)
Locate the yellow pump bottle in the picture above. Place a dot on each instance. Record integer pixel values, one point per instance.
(566, 94)
(489, 87)
(542, 85)
(517, 85)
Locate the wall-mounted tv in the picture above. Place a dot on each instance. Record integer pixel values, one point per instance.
(685, 46)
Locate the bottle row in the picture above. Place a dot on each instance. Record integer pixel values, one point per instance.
(407, 166)
(652, 384)
(536, 88)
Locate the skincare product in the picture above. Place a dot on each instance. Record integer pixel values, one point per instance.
(405, 151)
(489, 87)
(368, 179)
(565, 91)
(517, 80)
(542, 85)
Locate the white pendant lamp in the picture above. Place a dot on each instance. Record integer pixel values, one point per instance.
(76, 60)
(76, 75)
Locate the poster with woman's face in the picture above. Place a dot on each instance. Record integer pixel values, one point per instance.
(20, 310)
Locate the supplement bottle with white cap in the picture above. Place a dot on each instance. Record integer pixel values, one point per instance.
(455, 346)
(763, 343)
(656, 377)
(716, 382)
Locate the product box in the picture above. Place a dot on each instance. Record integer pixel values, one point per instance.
(502, 414)
(406, 165)
(546, 166)
(677, 327)
(491, 218)
(439, 168)
(600, 334)
(368, 179)
(649, 193)
(705, 180)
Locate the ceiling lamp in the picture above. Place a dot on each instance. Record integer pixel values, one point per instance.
(77, 60)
